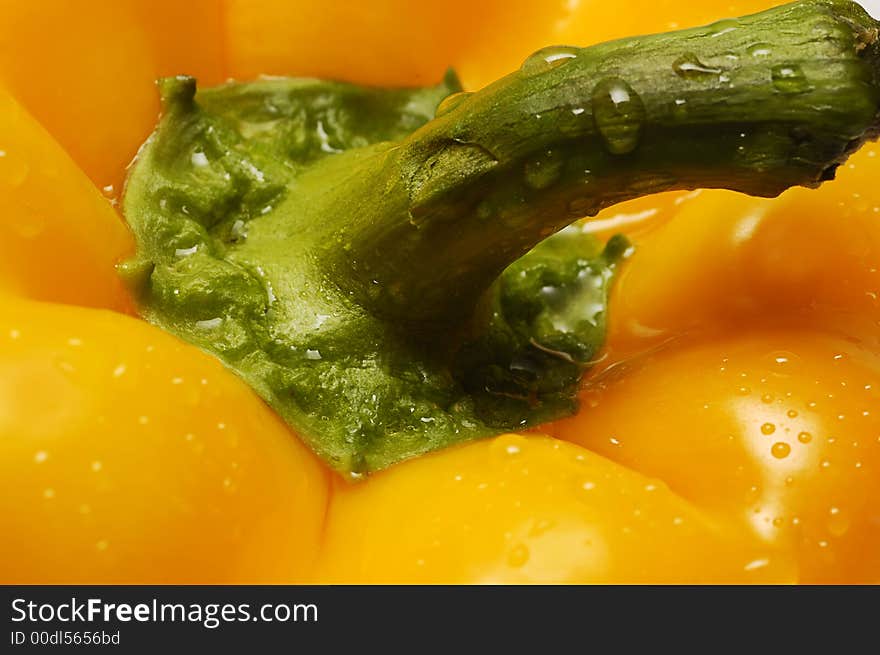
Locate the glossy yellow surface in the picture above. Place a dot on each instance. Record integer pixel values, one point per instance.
(59, 238)
(809, 256)
(746, 332)
(518, 509)
(126, 455)
(402, 42)
(86, 69)
(729, 433)
(777, 428)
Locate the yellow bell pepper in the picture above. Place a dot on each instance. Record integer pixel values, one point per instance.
(60, 239)
(728, 434)
(194, 481)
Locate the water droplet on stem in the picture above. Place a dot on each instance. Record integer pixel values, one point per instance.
(789, 78)
(548, 58)
(618, 114)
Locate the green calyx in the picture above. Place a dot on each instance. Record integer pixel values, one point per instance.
(383, 277)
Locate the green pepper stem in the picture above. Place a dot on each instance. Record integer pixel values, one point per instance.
(756, 104)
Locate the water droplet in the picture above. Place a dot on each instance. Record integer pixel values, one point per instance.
(450, 102)
(548, 58)
(792, 413)
(618, 114)
(238, 231)
(722, 27)
(504, 448)
(689, 66)
(209, 324)
(65, 366)
(789, 78)
(805, 437)
(186, 252)
(768, 428)
(28, 225)
(518, 556)
(540, 527)
(13, 170)
(759, 50)
(767, 398)
(40, 456)
(838, 523)
(679, 107)
(323, 140)
(780, 450)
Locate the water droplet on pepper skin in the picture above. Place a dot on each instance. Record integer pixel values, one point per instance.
(780, 450)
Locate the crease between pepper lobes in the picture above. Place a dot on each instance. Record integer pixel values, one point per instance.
(341, 251)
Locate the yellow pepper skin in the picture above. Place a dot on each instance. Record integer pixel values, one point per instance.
(315, 38)
(59, 238)
(128, 456)
(770, 385)
(518, 509)
(738, 324)
(808, 256)
(780, 434)
(86, 69)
